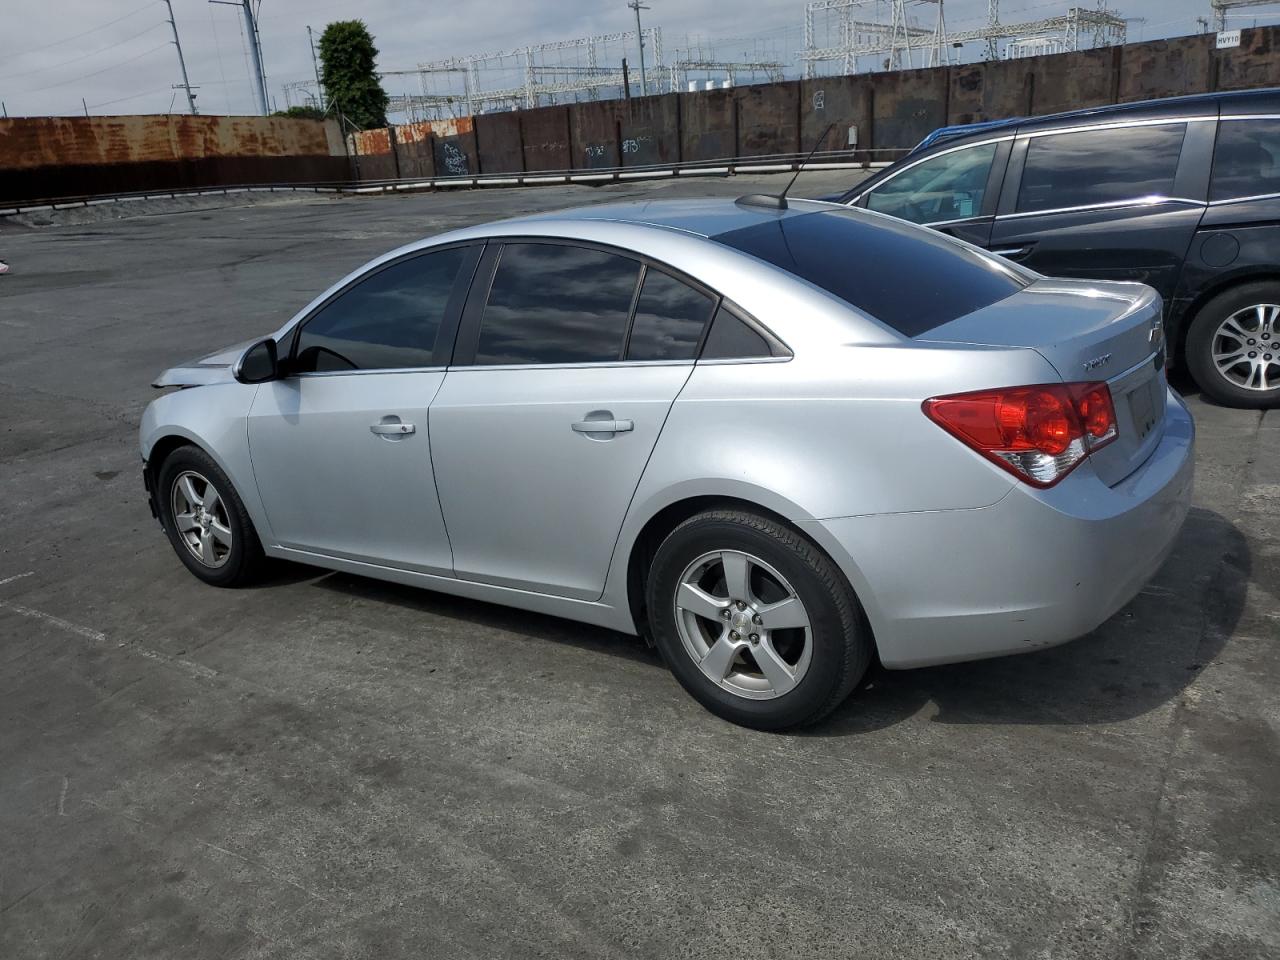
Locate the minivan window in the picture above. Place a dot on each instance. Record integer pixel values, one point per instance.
(1099, 166)
(669, 319)
(557, 303)
(908, 278)
(1246, 159)
(388, 320)
(946, 187)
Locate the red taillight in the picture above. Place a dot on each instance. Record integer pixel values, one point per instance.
(1038, 433)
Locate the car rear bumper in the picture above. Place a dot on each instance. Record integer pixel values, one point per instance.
(1038, 568)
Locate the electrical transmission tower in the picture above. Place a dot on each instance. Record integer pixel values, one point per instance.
(847, 36)
(1220, 8)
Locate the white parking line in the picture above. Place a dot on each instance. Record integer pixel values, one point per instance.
(16, 576)
(97, 636)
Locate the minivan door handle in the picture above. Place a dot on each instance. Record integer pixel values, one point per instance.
(1013, 253)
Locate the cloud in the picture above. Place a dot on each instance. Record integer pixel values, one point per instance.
(117, 54)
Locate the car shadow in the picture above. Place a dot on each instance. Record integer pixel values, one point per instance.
(493, 616)
(1142, 657)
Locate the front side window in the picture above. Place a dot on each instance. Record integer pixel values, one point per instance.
(669, 319)
(1246, 159)
(553, 303)
(389, 320)
(1100, 166)
(946, 187)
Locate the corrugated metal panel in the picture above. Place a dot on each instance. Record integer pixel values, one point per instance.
(594, 130)
(29, 142)
(768, 119)
(500, 147)
(908, 105)
(545, 133)
(651, 130)
(707, 125)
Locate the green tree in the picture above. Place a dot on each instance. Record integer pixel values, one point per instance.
(347, 56)
(304, 112)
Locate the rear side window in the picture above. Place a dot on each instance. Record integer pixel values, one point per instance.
(947, 187)
(670, 316)
(731, 338)
(1099, 166)
(1246, 159)
(908, 278)
(388, 320)
(554, 303)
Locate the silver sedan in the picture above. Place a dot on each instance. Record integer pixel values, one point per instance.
(779, 440)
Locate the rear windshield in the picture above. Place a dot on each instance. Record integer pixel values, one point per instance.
(906, 277)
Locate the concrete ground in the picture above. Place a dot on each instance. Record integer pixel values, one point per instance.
(331, 766)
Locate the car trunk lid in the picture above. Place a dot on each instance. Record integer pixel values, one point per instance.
(1108, 332)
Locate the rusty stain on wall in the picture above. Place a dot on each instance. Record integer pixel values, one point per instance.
(30, 142)
(373, 142)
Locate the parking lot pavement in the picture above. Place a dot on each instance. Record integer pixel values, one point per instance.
(333, 766)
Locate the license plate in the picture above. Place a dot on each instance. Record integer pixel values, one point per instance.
(1142, 409)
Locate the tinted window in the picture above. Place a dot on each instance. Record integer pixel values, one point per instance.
(669, 319)
(732, 338)
(385, 321)
(1099, 166)
(908, 278)
(556, 304)
(947, 187)
(1246, 160)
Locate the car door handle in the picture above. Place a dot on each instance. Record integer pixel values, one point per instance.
(603, 426)
(1013, 253)
(392, 429)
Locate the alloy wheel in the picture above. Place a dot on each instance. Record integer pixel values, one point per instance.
(743, 624)
(1246, 347)
(201, 518)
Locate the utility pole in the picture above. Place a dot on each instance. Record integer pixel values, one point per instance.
(255, 50)
(993, 21)
(182, 64)
(315, 66)
(637, 6)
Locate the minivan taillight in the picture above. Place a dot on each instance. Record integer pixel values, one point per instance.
(1038, 433)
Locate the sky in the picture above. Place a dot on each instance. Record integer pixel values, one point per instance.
(117, 56)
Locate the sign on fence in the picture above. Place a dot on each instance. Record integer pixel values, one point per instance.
(1228, 38)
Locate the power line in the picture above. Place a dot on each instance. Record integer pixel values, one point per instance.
(83, 56)
(77, 36)
(86, 76)
(148, 93)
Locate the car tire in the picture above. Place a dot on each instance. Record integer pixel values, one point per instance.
(212, 536)
(1211, 333)
(755, 665)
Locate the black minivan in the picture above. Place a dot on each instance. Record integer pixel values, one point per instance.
(1182, 194)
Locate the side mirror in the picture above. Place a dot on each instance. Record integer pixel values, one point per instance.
(258, 364)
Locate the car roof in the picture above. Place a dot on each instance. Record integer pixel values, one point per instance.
(703, 217)
(1117, 110)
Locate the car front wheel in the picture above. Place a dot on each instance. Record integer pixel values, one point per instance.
(205, 520)
(755, 621)
(1233, 346)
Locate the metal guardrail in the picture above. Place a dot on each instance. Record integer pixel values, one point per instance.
(778, 163)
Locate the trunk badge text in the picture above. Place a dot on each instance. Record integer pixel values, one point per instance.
(1097, 362)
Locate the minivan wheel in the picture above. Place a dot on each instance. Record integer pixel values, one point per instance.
(755, 621)
(1233, 346)
(205, 519)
